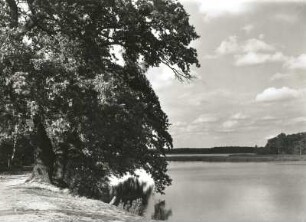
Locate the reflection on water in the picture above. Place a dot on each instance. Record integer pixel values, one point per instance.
(160, 211)
(240, 192)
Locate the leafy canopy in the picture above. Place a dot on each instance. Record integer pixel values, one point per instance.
(59, 61)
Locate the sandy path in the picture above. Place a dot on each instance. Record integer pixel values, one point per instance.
(33, 202)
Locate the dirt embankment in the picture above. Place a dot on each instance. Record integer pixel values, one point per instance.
(34, 202)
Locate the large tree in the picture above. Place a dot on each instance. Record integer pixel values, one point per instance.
(63, 83)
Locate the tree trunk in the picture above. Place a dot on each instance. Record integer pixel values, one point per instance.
(300, 150)
(43, 154)
(60, 164)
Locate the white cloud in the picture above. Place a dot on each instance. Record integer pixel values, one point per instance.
(160, 77)
(298, 120)
(234, 121)
(261, 36)
(297, 62)
(280, 76)
(248, 28)
(179, 124)
(198, 99)
(271, 136)
(285, 18)
(273, 94)
(210, 56)
(229, 124)
(251, 51)
(228, 46)
(268, 118)
(217, 8)
(239, 116)
(206, 118)
(254, 58)
(256, 45)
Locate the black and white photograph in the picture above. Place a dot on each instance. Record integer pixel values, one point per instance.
(152, 110)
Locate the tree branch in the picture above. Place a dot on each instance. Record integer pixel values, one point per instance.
(180, 75)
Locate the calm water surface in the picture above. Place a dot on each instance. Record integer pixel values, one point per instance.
(209, 154)
(237, 192)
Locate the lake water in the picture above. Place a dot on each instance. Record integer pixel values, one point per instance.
(209, 154)
(237, 192)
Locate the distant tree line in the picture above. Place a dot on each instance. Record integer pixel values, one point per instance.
(221, 149)
(281, 144)
(285, 144)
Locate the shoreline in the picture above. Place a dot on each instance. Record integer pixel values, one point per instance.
(238, 158)
(36, 202)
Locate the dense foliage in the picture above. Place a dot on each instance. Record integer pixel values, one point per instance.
(286, 144)
(72, 79)
(16, 155)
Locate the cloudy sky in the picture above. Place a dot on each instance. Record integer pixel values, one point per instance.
(252, 81)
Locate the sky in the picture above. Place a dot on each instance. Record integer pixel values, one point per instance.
(252, 82)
